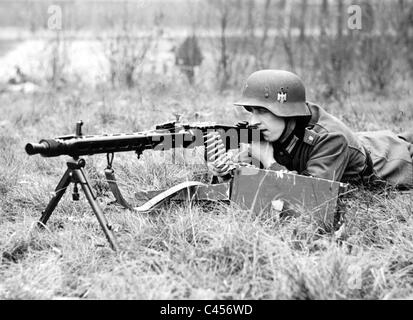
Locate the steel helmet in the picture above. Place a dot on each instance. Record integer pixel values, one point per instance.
(281, 92)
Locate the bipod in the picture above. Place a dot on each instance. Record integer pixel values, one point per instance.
(75, 174)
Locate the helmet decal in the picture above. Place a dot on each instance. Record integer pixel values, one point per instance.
(282, 96)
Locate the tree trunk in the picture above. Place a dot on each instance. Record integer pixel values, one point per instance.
(303, 17)
(224, 66)
(287, 38)
(340, 13)
(264, 38)
(323, 19)
(324, 50)
(250, 19)
(338, 52)
(301, 42)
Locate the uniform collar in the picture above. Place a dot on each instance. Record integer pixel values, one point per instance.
(292, 134)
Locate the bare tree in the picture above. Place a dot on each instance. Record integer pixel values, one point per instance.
(287, 39)
(126, 50)
(251, 22)
(302, 27)
(230, 18)
(224, 17)
(303, 19)
(322, 55)
(323, 18)
(337, 50)
(264, 56)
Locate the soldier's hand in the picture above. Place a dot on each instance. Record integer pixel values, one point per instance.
(218, 170)
(244, 153)
(262, 151)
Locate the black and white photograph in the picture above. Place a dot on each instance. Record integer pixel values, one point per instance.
(206, 154)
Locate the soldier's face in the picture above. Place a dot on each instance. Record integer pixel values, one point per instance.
(272, 126)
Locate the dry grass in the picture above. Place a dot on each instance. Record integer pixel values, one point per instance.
(184, 251)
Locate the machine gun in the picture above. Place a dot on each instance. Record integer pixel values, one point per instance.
(164, 137)
(249, 187)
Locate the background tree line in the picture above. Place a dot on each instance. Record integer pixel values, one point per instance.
(310, 37)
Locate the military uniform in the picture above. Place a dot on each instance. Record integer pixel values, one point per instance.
(315, 143)
(323, 146)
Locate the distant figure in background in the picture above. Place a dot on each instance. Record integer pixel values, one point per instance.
(19, 77)
(188, 56)
(21, 82)
(304, 138)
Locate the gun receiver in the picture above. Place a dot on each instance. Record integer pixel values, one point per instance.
(89, 145)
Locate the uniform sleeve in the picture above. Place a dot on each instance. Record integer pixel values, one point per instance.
(329, 157)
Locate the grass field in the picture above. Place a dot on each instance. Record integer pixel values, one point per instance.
(185, 251)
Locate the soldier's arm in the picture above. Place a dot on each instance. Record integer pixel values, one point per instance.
(329, 157)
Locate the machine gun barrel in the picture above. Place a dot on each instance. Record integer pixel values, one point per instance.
(89, 145)
(36, 148)
(163, 138)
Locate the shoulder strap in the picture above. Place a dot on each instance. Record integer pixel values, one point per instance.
(110, 178)
(165, 195)
(196, 190)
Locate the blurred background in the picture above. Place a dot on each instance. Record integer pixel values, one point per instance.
(211, 46)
